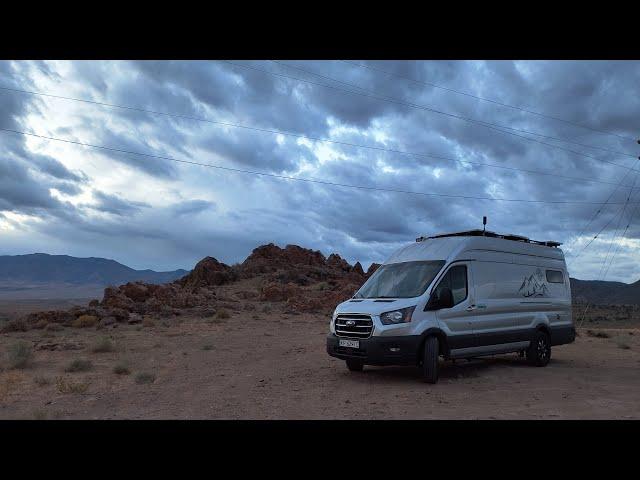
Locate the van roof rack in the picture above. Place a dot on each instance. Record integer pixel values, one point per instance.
(483, 233)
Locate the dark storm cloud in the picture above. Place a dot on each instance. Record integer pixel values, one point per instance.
(359, 224)
(192, 207)
(116, 205)
(26, 177)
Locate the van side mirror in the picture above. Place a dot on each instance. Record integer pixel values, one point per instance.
(442, 298)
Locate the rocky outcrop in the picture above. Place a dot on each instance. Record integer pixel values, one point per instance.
(299, 279)
(372, 269)
(208, 272)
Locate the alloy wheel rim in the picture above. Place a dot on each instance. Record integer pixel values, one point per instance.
(542, 349)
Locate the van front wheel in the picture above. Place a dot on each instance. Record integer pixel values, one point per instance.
(355, 365)
(430, 360)
(539, 352)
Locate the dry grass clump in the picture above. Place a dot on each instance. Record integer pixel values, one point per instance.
(17, 325)
(148, 322)
(84, 321)
(39, 414)
(598, 334)
(145, 378)
(41, 381)
(19, 355)
(121, 368)
(79, 365)
(223, 314)
(103, 345)
(623, 342)
(67, 386)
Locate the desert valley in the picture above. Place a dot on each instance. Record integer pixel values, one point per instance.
(248, 341)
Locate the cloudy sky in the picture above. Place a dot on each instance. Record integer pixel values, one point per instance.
(149, 212)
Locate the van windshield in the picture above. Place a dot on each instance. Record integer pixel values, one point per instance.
(400, 280)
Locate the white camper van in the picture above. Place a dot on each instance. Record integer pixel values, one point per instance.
(459, 295)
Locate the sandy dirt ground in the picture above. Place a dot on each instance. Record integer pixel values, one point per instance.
(257, 365)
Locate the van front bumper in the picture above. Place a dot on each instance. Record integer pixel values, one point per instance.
(378, 350)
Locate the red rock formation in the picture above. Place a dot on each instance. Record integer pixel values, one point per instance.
(208, 272)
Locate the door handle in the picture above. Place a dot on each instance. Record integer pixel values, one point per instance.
(471, 308)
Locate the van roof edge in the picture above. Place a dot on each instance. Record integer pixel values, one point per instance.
(483, 233)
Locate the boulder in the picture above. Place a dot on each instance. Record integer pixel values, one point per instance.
(207, 272)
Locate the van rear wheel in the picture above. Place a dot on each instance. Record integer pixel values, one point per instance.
(430, 360)
(355, 365)
(539, 352)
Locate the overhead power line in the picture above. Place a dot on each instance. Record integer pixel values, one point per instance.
(484, 99)
(286, 177)
(307, 137)
(420, 107)
(597, 212)
(468, 119)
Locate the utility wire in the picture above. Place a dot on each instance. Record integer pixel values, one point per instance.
(633, 213)
(420, 107)
(604, 275)
(584, 229)
(304, 70)
(601, 274)
(597, 234)
(300, 179)
(484, 99)
(307, 137)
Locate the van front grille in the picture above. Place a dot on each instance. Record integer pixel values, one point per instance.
(354, 325)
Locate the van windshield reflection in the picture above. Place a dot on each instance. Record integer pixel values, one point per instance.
(400, 280)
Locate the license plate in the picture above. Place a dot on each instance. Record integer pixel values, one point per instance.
(349, 343)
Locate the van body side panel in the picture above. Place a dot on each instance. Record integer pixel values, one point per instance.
(513, 298)
(496, 312)
(457, 322)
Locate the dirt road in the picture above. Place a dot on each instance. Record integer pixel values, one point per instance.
(274, 366)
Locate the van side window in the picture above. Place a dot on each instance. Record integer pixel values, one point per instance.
(555, 276)
(456, 280)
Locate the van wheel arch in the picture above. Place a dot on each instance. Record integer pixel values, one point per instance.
(442, 343)
(544, 328)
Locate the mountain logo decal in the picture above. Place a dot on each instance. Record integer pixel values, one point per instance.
(534, 285)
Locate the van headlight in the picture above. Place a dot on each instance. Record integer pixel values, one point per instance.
(402, 315)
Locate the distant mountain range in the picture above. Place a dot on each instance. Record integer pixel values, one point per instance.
(41, 268)
(605, 293)
(40, 275)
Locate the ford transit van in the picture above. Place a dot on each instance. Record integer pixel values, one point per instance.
(458, 295)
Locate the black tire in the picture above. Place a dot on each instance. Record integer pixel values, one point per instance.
(430, 368)
(539, 352)
(355, 365)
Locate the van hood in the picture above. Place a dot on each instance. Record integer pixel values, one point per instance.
(374, 306)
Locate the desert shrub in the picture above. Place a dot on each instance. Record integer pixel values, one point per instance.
(622, 342)
(84, 321)
(223, 314)
(148, 322)
(79, 365)
(67, 386)
(103, 345)
(145, 377)
(53, 327)
(598, 334)
(208, 346)
(19, 355)
(41, 381)
(17, 325)
(121, 368)
(39, 414)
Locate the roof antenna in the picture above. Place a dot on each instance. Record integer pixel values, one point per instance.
(484, 224)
